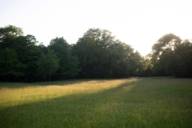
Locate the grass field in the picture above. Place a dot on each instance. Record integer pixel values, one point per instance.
(118, 103)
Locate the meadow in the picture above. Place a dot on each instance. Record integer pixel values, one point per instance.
(110, 103)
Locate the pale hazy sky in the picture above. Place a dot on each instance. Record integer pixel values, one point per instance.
(138, 23)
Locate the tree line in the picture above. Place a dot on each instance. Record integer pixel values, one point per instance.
(97, 54)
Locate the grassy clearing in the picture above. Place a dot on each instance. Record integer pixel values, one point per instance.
(122, 103)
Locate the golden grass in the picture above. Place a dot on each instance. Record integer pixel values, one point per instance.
(34, 93)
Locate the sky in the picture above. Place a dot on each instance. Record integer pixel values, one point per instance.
(139, 23)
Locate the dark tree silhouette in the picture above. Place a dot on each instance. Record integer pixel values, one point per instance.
(96, 55)
(101, 55)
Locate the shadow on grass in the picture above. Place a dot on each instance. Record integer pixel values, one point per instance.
(62, 83)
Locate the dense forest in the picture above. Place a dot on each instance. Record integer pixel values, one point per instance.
(97, 54)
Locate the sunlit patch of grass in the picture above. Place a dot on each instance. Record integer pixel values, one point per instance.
(32, 93)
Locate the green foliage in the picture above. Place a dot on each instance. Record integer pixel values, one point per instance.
(10, 32)
(10, 66)
(183, 60)
(97, 54)
(100, 55)
(168, 41)
(47, 65)
(68, 63)
(172, 56)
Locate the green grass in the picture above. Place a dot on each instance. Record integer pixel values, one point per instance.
(120, 103)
